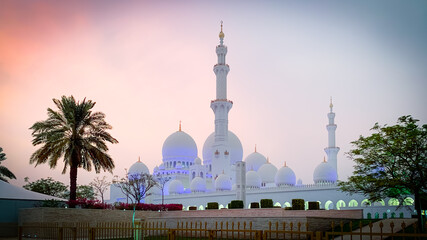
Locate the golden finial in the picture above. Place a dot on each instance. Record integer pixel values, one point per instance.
(268, 161)
(324, 159)
(331, 105)
(285, 164)
(221, 34)
(255, 147)
(139, 159)
(180, 126)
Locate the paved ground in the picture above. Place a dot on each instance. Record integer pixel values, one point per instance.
(376, 228)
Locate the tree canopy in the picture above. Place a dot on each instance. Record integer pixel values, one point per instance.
(5, 173)
(135, 186)
(391, 163)
(47, 186)
(77, 135)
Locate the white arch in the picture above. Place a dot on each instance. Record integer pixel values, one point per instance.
(340, 204)
(201, 207)
(353, 203)
(277, 204)
(393, 202)
(365, 202)
(286, 204)
(329, 205)
(408, 201)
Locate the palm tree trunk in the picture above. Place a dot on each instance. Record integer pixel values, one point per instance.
(73, 184)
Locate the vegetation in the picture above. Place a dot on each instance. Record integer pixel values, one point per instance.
(100, 186)
(212, 205)
(266, 203)
(236, 204)
(192, 208)
(135, 186)
(88, 203)
(150, 207)
(254, 205)
(52, 203)
(298, 204)
(47, 186)
(4, 172)
(85, 191)
(313, 206)
(391, 163)
(161, 184)
(75, 134)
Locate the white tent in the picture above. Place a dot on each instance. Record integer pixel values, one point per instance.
(9, 191)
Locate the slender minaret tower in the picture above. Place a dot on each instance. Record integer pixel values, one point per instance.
(332, 150)
(221, 106)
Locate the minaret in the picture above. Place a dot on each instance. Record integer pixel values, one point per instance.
(332, 150)
(221, 106)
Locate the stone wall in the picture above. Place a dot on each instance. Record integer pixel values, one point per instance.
(260, 218)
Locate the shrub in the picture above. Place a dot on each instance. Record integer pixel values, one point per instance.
(266, 203)
(192, 208)
(313, 206)
(212, 205)
(298, 204)
(254, 205)
(236, 204)
(148, 207)
(91, 204)
(288, 208)
(52, 203)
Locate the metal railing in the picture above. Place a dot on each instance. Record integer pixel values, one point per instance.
(218, 230)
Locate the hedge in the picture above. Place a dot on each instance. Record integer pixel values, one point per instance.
(212, 205)
(254, 205)
(266, 203)
(149, 207)
(313, 206)
(298, 204)
(236, 204)
(192, 208)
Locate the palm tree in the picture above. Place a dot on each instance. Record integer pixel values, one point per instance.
(76, 134)
(4, 172)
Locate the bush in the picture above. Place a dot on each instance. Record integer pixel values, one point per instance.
(298, 204)
(192, 208)
(52, 203)
(266, 203)
(212, 205)
(149, 207)
(288, 208)
(90, 204)
(236, 204)
(313, 206)
(254, 205)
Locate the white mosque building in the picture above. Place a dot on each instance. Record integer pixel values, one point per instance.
(224, 175)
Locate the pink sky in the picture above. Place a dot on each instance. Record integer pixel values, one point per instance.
(149, 65)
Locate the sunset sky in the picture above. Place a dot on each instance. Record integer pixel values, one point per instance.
(148, 65)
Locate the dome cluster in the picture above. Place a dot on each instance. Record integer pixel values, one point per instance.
(325, 173)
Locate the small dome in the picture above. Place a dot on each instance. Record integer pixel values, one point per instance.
(223, 183)
(253, 180)
(176, 187)
(254, 161)
(285, 177)
(267, 172)
(179, 145)
(156, 168)
(137, 169)
(197, 161)
(299, 182)
(198, 184)
(324, 173)
(234, 147)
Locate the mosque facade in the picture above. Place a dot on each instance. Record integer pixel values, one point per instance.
(224, 175)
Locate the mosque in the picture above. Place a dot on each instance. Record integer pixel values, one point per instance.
(223, 175)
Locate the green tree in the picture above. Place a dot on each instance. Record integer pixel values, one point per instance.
(75, 133)
(4, 172)
(100, 186)
(47, 186)
(86, 191)
(392, 162)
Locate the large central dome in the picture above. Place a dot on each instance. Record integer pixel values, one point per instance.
(234, 147)
(179, 145)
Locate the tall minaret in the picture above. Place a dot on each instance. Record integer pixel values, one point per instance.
(332, 150)
(221, 106)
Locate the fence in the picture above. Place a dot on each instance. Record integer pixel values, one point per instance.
(221, 230)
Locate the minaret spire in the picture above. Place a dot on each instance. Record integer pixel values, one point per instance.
(332, 150)
(221, 106)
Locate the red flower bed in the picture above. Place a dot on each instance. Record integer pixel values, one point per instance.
(90, 204)
(149, 207)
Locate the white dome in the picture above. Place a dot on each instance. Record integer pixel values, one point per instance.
(197, 161)
(176, 187)
(179, 145)
(267, 172)
(223, 183)
(234, 148)
(253, 180)
(325, 173)
(156, 168)
(162, 167)
(285, 176)
(137, 169)
(198, 184)
(254, 161)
